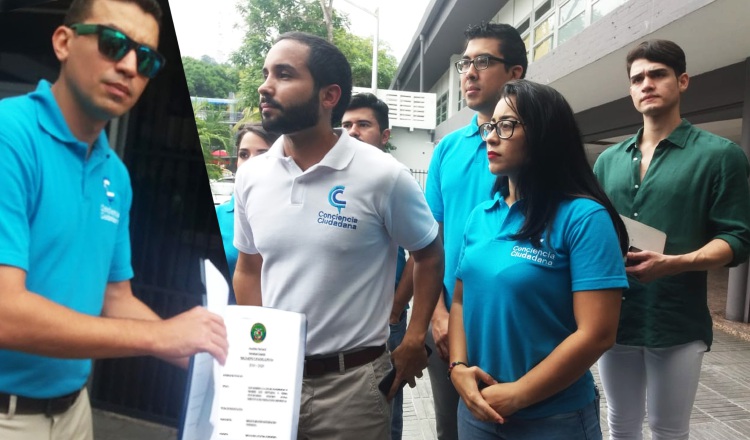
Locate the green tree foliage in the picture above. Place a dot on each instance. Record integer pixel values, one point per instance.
(214, 134)
(267, 19)
(207, 78)
(358, 51)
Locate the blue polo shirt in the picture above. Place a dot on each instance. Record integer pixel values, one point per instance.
(64, 220)
(400, 263)
(458, 180)
(225, 215)
(518, 299)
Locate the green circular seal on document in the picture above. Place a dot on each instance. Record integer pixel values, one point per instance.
(258, 332)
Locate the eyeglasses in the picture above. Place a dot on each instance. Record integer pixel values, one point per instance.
(114, 45)
(480, 63)
(504, 128)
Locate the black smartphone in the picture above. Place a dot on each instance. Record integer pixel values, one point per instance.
(385, 385)
(630, 262)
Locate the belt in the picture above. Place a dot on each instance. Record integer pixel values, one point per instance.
(340, 362)
(30, 405)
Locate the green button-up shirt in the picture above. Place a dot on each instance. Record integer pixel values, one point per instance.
(695, 190)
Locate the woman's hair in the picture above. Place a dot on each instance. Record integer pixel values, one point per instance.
(257, 129)
(555, 168)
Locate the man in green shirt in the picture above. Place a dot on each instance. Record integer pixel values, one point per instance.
(692, 185)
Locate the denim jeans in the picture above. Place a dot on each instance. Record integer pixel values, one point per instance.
(582, 424)
(397, 406)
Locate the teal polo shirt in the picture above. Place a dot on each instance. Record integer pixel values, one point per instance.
(518, 299)
(64, 220)
(458, 180)
(225, 216)
(695, 190)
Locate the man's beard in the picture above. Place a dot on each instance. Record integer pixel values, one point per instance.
(293, 118)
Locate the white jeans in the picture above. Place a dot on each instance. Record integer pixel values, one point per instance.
(666, 378)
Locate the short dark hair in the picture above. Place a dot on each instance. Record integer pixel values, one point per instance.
(556, 167)
(80, 10)
(659, 51)
(327, 66)
(511, 43)
(378, 107)
(257, 129)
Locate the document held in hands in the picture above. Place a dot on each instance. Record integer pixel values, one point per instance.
(256, 394)
(644, 237)
(259, 387)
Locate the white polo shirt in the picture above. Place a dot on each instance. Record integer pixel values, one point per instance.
(329, 237)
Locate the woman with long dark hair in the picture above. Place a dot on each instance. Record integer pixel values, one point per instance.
(539, 282)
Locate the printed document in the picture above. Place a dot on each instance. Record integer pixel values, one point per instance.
(256, 394)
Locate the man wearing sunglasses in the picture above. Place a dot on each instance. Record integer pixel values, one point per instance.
(459, 179)
(65, 294)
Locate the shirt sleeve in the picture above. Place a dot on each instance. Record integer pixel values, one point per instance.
(460, 265)
(121, 268)
(433, 192)
(243, 233)
(407, 217)
(596, 262)
(19, 189)
(729, 213)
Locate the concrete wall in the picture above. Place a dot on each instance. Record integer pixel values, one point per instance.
(413, 148)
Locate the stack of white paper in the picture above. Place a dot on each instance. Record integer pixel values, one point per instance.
(256, 394)
(260, 385)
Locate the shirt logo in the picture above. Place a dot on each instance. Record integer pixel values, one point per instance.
(110, 194)
(336, 219)
(107, 213)
(542, 256)
(333, 197)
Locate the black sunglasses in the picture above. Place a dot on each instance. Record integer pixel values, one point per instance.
(114, 45)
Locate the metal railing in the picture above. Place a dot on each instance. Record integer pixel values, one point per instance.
(421, 176)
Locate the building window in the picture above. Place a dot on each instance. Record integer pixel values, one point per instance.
(524, 26)
(542, 9)
(554, 22)
(442, 109)
(461, 102)
(604, 7)
(572, 19)
(544, 29)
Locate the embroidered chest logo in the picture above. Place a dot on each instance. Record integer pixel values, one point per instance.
(109, 193)
(106, 212)
(335, 219)
(333, 197)
(543, 256)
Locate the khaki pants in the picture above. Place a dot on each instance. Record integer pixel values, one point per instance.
(74, 424)
(346, 406)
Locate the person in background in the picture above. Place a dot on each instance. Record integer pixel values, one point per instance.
(65, 268)
(692, 185)
(366, 119)
(252, 140)
(458, 180)
(539, 281)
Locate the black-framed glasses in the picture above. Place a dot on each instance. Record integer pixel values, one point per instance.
(504, 128)
(481, 62)
(114, 45)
